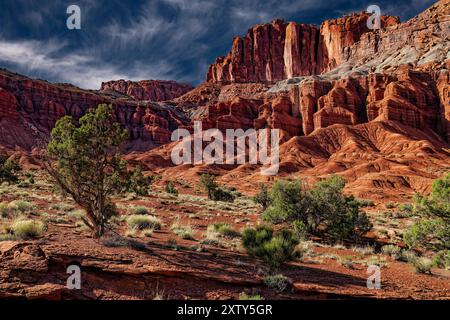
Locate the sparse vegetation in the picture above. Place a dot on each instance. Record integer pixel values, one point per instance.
(215, 192)
(9, 169)
(141, 210)
(390, 205)
(245, 297)
(170, 188)
(423, 265)
(277, 282)
(442, 259)
(346, 261)
(223, 229)
(138, 183)
(273, 250)
(391, 250)
(140, 222)
(262, 197)
(432, 231)
(27, 229)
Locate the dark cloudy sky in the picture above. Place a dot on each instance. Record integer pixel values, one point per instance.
(148, 39)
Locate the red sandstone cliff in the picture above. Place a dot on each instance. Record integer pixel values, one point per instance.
(279, 50)
(151, 90)
(30, 108)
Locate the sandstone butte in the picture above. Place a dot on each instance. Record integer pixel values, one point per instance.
(371, 105)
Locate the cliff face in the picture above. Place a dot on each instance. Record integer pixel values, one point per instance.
(151, 90)
(30, 108)
(279, 50)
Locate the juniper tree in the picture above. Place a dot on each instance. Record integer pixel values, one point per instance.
(88, 166)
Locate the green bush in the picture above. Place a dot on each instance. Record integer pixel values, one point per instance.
(322, 209)
(366, 203)
(26, 229)
(300, 229)
(277, 282)
(22, 206)
(423, 265)
(141, 210)
(432, 231)
(407, 256)
(209, 183)
(184, 232)
(442, 259)
(262, 197)
(138, 183)
(405, 207)
(170, 188)
(391, 250)
(140, 222)
(245, 297)
(9, 170)
(390, 205)
(272, 250)
(221, 194)
(223, 229)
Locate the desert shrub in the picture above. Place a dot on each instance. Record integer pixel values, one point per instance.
(246, 297)
(26, 229)
(141, 210)
(432, 231)
(273, 250)
(288, 203)
(300, 229)
(224, 230)
(184, 232)
(433, 234)
(277, 282)
(140, 222)
(21, 206)
(88, 164)
(215, 192)
(170, 188)
(209, 183)
(346, 261)
(77, 214)
(405, 207)
(423, 265)
(9, 169)
(322, 209)
(390, 205)
(407, 256)
(391, 250)
(138, 183)
(5, 209)
(30, 177)
(221, 194)
(339, 213)
(262, 197)
(366, 203)
(367, 250)
(442, 259)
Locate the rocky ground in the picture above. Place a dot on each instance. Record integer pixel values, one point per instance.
(195, 263)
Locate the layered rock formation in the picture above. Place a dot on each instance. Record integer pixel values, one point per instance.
(279, 50)
(30, 108)
(149, 90)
